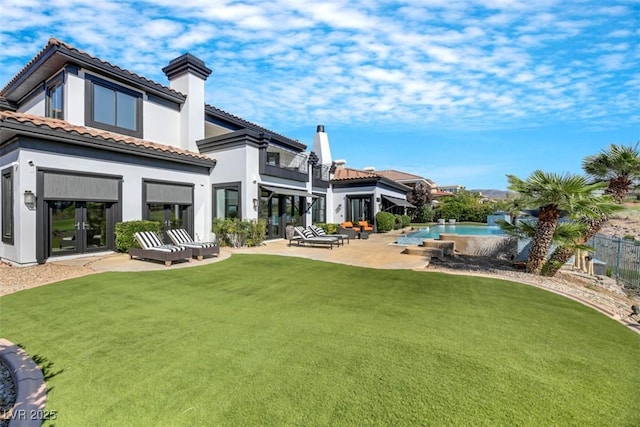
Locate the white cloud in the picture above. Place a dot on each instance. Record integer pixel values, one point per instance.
(482, 63)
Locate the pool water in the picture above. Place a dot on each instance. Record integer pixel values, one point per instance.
(433, 232)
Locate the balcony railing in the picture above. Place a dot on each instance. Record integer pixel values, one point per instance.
(285, 164)
(320, 176)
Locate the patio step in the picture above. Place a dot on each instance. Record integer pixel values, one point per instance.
(447, 246)
(420, 250)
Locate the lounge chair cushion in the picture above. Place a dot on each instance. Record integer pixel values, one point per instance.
(148, 239)
(307, 236)
(181, 237)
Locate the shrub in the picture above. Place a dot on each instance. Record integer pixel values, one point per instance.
(328, 227)
(425, 214)
(405, 220)
(125, 230)
(257, 232)
(385, 221)
(397, 222)
(238, 233)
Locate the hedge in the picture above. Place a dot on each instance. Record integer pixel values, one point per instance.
(125, 230)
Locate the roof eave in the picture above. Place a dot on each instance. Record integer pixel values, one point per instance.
(276, 137)
(66, 55)
(107, 144)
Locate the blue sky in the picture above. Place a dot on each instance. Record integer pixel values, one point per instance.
(461, 92)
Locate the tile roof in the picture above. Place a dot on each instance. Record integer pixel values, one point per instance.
(397, 175)
(61, 125)
(343, 174)
(54, 43)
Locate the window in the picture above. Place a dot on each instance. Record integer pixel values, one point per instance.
(226, 201)
(273, 159)
(318, 210)
(6, 188)
(112, 107)
(360, 208)
(55, 102)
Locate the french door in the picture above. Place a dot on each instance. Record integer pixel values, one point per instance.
(170, 216)
(78, 226)
(280, 210)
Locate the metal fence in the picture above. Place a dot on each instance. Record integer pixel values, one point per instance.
(621, 256)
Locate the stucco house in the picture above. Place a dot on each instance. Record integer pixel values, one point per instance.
(85, 144)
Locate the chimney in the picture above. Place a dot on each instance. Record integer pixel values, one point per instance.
(321, 146)
(186, 75)
(341, 163)
(369, 169)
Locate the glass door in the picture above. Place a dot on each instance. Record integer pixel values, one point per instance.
(94, 226)
(77, 227)
(171, 216)
(64, 227)
(273, 226)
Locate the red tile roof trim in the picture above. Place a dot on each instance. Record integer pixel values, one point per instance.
(343, 174)
(61, 125)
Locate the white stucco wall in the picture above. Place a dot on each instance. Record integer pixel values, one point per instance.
(191, 121)
(232, 166)
(34, 105)
(73, 98)
(24, 250)
(161, 124)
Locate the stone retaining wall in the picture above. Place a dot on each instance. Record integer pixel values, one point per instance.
(493, 246)
(31, 390)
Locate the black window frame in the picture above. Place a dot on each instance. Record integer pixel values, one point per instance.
(370, 212)
(53, 84)
(8, 219)
(319, 209)
(235, 186)
(90, 83)
(273, 158)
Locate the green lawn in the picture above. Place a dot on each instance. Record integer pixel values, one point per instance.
(265, 340)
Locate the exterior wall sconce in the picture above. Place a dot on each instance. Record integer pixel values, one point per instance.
(378, 199)
(30, 199)
(255, 204)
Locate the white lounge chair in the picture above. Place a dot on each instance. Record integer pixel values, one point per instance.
(303, 235)
(319, 232)
(181, 237)
(151, 247)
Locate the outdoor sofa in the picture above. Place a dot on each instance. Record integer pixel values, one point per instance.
(347, 229)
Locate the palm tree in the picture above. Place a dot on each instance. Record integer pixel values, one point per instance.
(584, 217)
(553, 194)
(619, 166)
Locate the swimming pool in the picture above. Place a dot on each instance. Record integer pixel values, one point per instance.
(433, 232)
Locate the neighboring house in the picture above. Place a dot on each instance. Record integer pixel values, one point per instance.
(407, 179)
(451, 189)
(85, 144)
